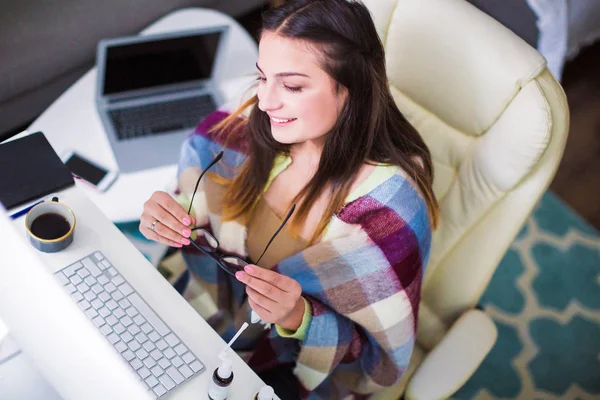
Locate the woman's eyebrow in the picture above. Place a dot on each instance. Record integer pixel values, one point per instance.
(283, 74)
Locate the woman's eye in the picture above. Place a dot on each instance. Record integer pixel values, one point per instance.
(293, 88)
(261, 78)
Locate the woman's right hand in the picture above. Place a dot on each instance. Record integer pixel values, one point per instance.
(171, 222)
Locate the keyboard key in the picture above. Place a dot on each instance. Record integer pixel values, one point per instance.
(117, 295)
(170, 353)
(112, 272)
(91, 266)
(159, 390)
(104, 297)
(155, 337)
(134, 345)
(91, 313)
(98, 256)
(112, 320)
(152, 381)
(71, 289)
(126, 321)
(98, 321)
(62, 278)
(121, 346)
(180, 349)
(76, 296)
(140, 337)
(83, 272)
(167, 382)
(70, 270)
(188, 357)
(128, 355)
(141, 305)
(157, 355)
(118, 280)
(89, 296)
(76, 280)
(134, 329)
(109, 287)
(157, 371)
(177, 361)
(90, 281)
(136, 364)
(119, 328)
(104, 264)
(103, 280)
(149, 362)
(82, 287)
(119, 313)
(186, 371)
(97, 304)
(164, 363)
(141, 354)
(124, 304)
(146, 328)
(172, 340)
(149, 346)
(139, 319)
(175, 375)
(126, 289)
(161, 344)
(127, 337)
(84, 304)
(131, 311)
(111, 304)
(113, 338)
(196, 366)
(97, 288)
(143, 372)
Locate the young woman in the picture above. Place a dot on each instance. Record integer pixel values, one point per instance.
(341, 281)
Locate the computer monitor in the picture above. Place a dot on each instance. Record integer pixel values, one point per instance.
(54, 333)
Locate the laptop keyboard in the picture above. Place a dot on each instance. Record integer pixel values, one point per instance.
(152, 119)
(154, 352)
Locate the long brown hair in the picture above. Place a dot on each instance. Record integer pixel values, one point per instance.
(370, 128)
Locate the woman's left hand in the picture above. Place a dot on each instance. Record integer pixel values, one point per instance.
(276, 298)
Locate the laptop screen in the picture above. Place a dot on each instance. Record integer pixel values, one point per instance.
(167, 61)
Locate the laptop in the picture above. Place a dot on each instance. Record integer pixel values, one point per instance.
(83, 317)
(152, 90)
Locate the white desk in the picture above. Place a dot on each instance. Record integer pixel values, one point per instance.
(20, 380)
(72, 122)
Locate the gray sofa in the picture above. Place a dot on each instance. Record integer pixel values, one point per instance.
(46, 45)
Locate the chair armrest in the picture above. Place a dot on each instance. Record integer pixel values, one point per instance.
(455, 358)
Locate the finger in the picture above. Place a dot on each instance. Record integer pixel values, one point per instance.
(265, 288)
(162, 230)
(170, 227)
(174, 208)
(265, 315)
(151, 235)
(262, 300)
(280, 281)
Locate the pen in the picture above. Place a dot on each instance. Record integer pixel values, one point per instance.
(25, 210)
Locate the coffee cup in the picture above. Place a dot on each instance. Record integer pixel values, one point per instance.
(50, 226)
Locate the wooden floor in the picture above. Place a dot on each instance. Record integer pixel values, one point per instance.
(577, 181)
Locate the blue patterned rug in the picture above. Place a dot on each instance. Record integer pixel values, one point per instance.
(545, 301)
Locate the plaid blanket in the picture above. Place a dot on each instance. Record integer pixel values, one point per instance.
(363, 281)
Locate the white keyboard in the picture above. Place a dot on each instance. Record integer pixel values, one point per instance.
(154, 352)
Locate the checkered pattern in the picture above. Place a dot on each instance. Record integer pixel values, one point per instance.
(363, 281)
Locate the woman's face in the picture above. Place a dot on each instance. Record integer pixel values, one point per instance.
(299, 97)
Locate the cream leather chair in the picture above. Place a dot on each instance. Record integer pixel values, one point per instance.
(496, 122)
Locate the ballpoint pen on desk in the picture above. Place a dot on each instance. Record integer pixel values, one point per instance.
(25, 210)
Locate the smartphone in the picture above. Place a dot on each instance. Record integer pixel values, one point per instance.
(97, 176)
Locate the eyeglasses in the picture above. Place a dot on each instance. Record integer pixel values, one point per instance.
(209, 245)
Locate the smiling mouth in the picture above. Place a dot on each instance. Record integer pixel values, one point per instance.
(281, 121)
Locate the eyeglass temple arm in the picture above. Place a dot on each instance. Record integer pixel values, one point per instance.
(289, 214)
(213, 162)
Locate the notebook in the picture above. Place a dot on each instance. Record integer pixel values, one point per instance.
(30, 169)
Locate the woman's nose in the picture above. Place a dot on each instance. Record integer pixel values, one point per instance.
(268, 99)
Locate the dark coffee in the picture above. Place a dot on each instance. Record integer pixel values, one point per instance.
(50, 226)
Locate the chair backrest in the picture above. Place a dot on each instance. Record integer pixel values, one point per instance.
(496, 123)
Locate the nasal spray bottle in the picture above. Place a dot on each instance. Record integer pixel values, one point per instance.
(223, 375)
